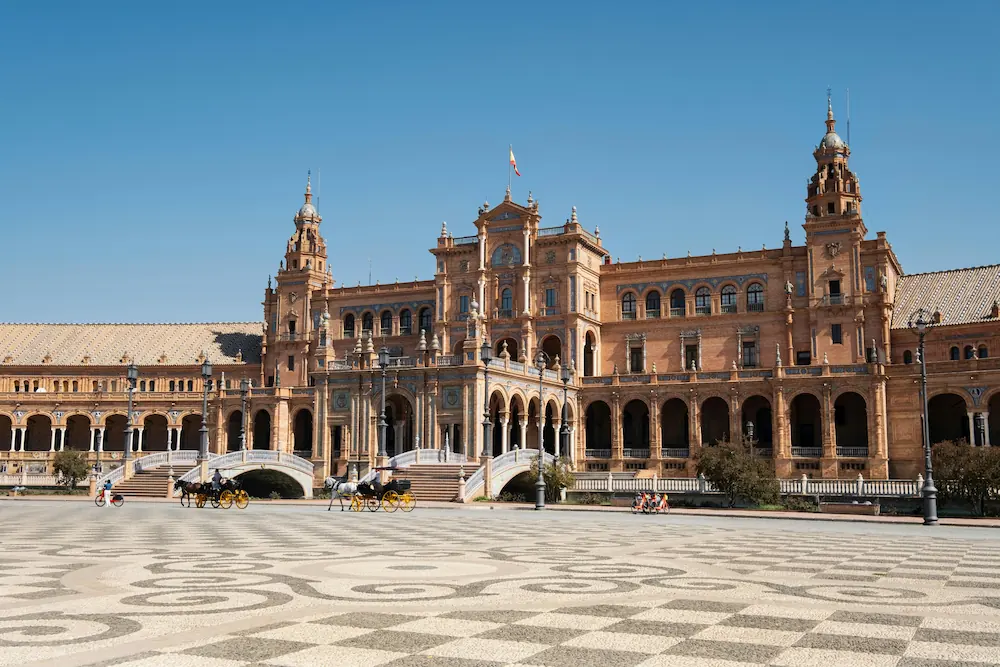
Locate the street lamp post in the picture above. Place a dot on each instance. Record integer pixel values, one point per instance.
(919, 322)
(541, 361)
(486, 355)
(383, 362)
(132, 375)
(244, 389)
(567, 376)
(206, 376)
(750, 435)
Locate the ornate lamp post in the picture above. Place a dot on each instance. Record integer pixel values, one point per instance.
(206, 376)
(541, 361)
(566, 376)
(244, 390)
(919, 322)
(486, 355)
(383, 362)
(132, 375)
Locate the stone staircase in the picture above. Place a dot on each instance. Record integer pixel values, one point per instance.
(434, 481)
(151, 483)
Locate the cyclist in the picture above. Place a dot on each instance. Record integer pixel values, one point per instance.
(107, 493)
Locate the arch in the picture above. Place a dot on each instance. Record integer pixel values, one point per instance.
(6, 434)
(302, 433)
(597, 425)
(907, 357)
(114, 433)
(635, 425)
(367, 322)
(984, 352)
(755, 298)
(497, 406)
(954, 354)
(653, 304)
(628, 306)
(405, 322)
(233, 427)
(78, 433)
(191, 432)
(552, 346)
(806, 421)
(549, 430)
(675, 424)
(459, 349)
(155, 434)
(589, 354)
(349, 326)
(425, 319)
(399, 423)
(516, 416)
(948, 418)
(261, 483)
(850, 420)
(993, 428)
(677, 302)
(714, 421)
(39, 435)
(728, 298)
(703, 301)
(262, 430)
(511, 347)
(757, 409)
(385, 323)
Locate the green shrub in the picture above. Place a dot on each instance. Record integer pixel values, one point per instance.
(557, 476)
(800, 504)
(738, 473)
(509, 497)
(481, 499)
(72, 465)
(966, 475)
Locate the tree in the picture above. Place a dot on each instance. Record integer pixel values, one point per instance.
(736, 471)
(557, 475)
(72, 466)
(966, 474)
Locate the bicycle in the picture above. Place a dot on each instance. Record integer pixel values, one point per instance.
(117, 499)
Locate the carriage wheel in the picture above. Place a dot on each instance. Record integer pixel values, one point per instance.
(118, 501)
(407, 501)
(215, 502)
(200, 500)
(242, 499)
(226, 499)
(390, 501)
(372, 503)
(99, 499)
(357, 503)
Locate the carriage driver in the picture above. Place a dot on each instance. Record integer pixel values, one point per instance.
(217, 480)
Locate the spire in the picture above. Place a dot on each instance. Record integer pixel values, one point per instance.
(830, 122)
(309, 186)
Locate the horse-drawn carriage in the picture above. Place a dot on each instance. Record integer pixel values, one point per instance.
(229, 493)
(373, 495)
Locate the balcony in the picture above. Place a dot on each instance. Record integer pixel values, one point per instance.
(835, 299)
(628, 314)
(554, 310)
(598, 453)
(674, 452)
(636, 453)
(703, 310)
(653, 314)
(807, 452)
(755, 307)
(676, 312)
(505, 314)
(729, 308)
(853, 452)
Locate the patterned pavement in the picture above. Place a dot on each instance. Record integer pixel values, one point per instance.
(155, 585)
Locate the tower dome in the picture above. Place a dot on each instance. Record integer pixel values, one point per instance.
(308, 211)
(831, 140)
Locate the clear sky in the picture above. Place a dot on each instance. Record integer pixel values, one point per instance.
(152, 154)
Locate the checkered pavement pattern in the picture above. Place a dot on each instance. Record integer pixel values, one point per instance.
(679, 633)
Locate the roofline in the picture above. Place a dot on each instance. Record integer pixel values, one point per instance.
(126, 324)
(967, 268)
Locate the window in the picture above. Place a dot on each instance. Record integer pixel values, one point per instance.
(837, 334)
(690, 357)
(270, 380)
(316, 315)
(152, 385)
(815, 210)
(463, 304)
(907, 357)
(322, 338)
(572, 294)
(385, 323)
(173, 386)
(954, 353)
(142, 385)
(190, 385)
(983, 352)
(750, 354)
(349, 326)
(635, 359)
(800, 283)
(506, 302)
(677, 306)
(550, 301)
(291, 362)
(367, 322)
(425, 319)
(831, 207)
(970, 352)
(291, 327)
(755, 298)
(295, 262)
(803, 358)
(653, 305)
(869, 278)
(703, 301)
(628, 306)
(729, 299)
(405, 323)
(835, 296)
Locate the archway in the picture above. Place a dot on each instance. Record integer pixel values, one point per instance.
(233, 427)
(549, 434)
(757, 409)
(552, 346)
(191, 432)
(154, 434)
(496, 409)
(993, 427)
(949, 418)
(850, 419)
(514, 424)
(675, 425)
(262, 430)
(77, 433)
(532, 430)
(39, 434)
(302, 436)
(714, 421)
(264, 483)
(589, 351)
(458, 350)
(597, 424)
(511, 347)
(635, 429)
(399, 424)
(6, 434)
(114, 433)
(806, 421)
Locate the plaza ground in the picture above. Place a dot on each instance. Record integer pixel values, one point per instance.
(154, 584)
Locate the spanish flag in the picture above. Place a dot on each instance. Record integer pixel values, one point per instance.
(513, 162)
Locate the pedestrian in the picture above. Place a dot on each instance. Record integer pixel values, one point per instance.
(107, 493)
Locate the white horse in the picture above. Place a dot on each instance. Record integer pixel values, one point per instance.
(340, 488)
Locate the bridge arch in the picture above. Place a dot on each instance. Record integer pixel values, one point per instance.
(235, 464)
(505, 468)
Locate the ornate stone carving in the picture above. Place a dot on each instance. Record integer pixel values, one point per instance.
(833, 249)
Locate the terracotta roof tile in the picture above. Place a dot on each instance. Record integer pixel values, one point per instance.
(145, 344)
(962, 296)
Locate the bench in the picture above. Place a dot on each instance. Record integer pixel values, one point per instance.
(866, 508)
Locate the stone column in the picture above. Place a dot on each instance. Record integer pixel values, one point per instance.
(93, 437)
(526, 278)
(62, 438)
(522, 423)
(986, 423)
(735, 420)
(141, 433)
(100, 438)
(655, 436)
(52, 445)
(617, 441)
(828, 432)
(504, 433)
(972, 427)
(694, 411)
(557, 429)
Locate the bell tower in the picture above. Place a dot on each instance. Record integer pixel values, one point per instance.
(833, 190)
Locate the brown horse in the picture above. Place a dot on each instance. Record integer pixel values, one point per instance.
(189, 489)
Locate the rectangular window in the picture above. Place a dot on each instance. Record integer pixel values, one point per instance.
(291, 327)
(572, 254)
(800, 283)
(270, 380)
(749, 354)
(463, 304)
(291, 362)
(869, 278)
(836, 334)
(803, 358)
(152, 385)
(834, 287)
(440, 308)
(635, 360)
(690, 357)
(572, 294)
(550, 298)
(316, 316)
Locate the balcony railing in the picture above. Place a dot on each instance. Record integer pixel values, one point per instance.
(835, 299)
(552, 310)
(636, 453)
(853, 452)
(807, 452)
(505, 313)
(653, 314)
(465, 240)
(703, 310)
(677, 312)
(675, 452)
(598, 453)
(729, 308)
(755, 307)
(628, 314)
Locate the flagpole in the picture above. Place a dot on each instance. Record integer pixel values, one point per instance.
(510, 150)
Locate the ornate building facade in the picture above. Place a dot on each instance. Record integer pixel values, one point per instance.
(805, 348)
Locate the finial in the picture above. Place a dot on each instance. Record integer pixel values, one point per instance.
(435, 344)
(444, 229)
(640, 258)
(573, 217)
(829, 103)
(507, 196)
(529, 198)
(422, 342)
(597, 232)
(269, 282)
(788, 234)
(309, 182)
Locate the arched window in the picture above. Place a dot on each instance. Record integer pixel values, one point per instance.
(173, 385)
(385, 323)
(628, 306)
(652, 304)
(703, 301)
(729, 299)
(405, 323)
(955, 355)
(970, 352)
(76, 386)
(755, 298)
(506, 302)
(142, 385)
(190, 385)
(907, 357)
(367, 322)
(983, 352)
(348, 326)
(677, 306)
(425, 319)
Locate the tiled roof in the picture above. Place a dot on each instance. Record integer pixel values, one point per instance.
(962, 296)
(145, 344)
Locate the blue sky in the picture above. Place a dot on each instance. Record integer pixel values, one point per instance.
(152, 155)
